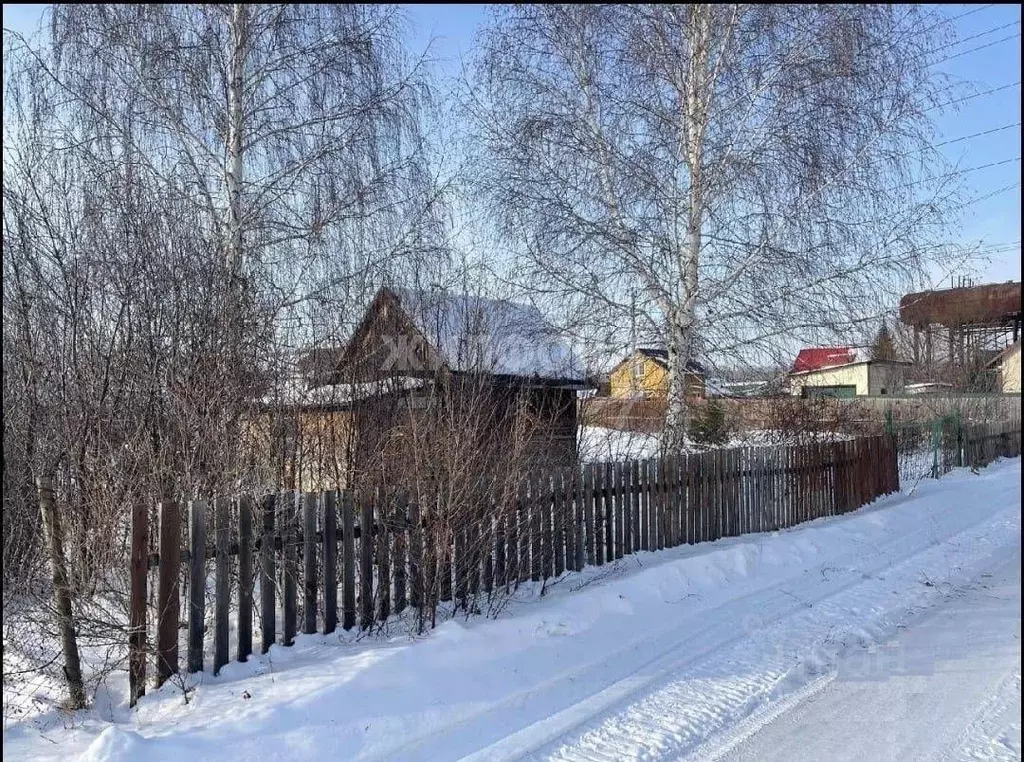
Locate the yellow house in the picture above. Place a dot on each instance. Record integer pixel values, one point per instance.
(1007, 363)
(645, 374)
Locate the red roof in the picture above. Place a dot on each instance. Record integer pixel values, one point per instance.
(814, 358)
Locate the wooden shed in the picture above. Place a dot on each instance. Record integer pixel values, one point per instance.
(431, 382)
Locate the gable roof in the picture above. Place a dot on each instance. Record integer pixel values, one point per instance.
(999, 358)
(660, 356)
(816, 358)
(466, 333)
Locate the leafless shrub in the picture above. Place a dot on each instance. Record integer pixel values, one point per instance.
(731, 177)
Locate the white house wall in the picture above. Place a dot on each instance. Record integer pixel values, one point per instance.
(842, 375)
(1010, 372)
(886, 378)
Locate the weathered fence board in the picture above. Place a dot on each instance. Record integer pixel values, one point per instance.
(222, 583)
(415, 555)
(268, 608)
(588, 513)
(289, 569)
(382, 554)
(597, 471)
(348, 561)
(536, 529)
(167, 601)
(309, 569)
(404, 556)
(558, 522)
(366, 564)
(245, 579)
(400, 552)
(197, 584)
(137, 635)
(329, 553)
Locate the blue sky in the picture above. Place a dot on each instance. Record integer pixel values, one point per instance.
(449, 30)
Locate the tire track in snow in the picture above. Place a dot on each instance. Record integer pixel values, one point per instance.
(587, 688)
(683, 710)
(980, 739)
(717, 748)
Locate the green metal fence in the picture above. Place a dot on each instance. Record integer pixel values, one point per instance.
(936, 446)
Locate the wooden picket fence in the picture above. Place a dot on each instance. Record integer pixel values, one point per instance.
(298, 549)
(983, 443)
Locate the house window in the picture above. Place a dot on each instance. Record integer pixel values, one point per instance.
(638, 369)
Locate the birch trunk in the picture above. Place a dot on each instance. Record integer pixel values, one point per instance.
(54, 537)
(236, 119)
(682, 326)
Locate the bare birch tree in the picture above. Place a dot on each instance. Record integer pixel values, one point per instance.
(745, 173)
(177, 179)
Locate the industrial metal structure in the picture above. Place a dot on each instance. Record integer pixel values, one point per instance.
(961, 329)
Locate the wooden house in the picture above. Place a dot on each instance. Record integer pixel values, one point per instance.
(1007, 366)
(644, 375)
(431, 381)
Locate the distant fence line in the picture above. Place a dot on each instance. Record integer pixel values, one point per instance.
(379, 549)
(953, 444)
(648, 414)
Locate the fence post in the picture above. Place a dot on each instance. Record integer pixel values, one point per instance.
(196, 584)
(290, 566)
(222, 536)
(309, 508)
(268, 579)
(167, 600)
(365, 562)
(137, 622)
(348, 561)
(330, 554)
(245, 552)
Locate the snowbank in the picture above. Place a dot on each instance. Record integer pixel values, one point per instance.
(736, 623)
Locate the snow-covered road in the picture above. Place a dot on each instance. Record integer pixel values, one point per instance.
(814, 642)
(945, 687)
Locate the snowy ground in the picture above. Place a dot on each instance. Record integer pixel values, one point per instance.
(896, 624)
(909, 697)
(597, 443)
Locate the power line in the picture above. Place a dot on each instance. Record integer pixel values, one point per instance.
(974, 50)
(975, 95)
(975, 36)
(957, 173)
(954, 43)
(1002, 243)
(983, 166)
(977, 134)
(996, 192)
(973, 11)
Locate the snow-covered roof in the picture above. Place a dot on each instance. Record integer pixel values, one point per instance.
(820, 358)
(660, 356)
(1001, 356)
(473, 333)
(815, 358)
(295, 391)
